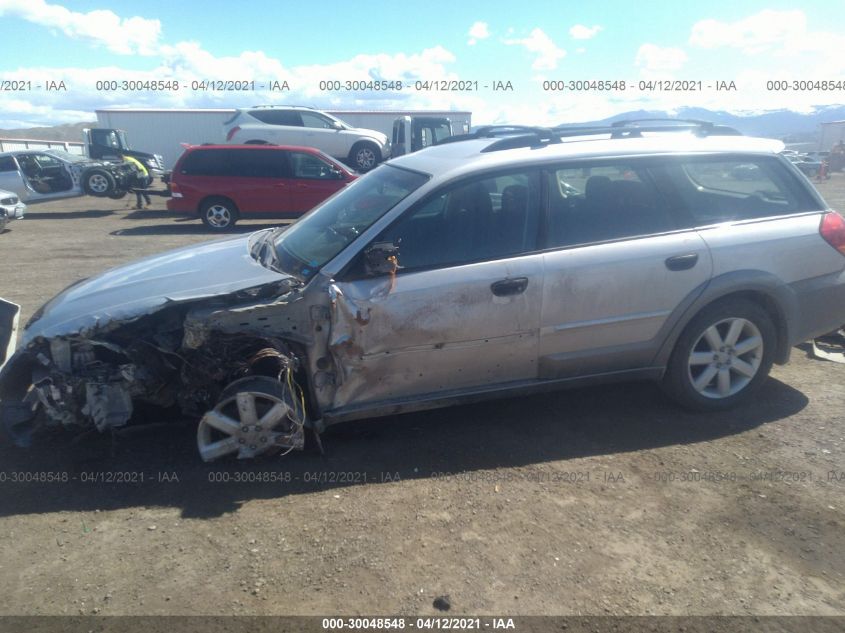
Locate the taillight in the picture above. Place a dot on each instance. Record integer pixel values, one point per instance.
(832, 229)
(175, 192)
(232, 132)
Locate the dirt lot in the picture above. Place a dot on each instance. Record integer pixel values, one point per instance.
(599, 501)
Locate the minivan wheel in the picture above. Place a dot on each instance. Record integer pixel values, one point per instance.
(364, 156)
(723, 355)
(219, 214)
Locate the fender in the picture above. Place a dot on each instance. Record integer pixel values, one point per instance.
(779, 299)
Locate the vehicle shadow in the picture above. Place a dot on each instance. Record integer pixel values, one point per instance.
(180, 227)
(67, 215)
(158, 465)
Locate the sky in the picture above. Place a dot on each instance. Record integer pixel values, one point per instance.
(539, 53)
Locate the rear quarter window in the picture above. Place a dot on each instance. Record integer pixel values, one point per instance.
(241, 163)
(711, 190)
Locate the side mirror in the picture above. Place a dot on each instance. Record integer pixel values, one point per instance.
(336, 125)
(381, 258)
(337, 174)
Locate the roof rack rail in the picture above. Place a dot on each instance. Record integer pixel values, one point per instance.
(514, 136)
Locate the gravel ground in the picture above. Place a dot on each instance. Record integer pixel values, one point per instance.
(605, 500)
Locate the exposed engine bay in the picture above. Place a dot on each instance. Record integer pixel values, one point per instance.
(206, 359)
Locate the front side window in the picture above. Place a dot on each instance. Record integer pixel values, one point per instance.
(306, 165)
(601, 202)
(482, 219)
(714, 189)
(324, 232)
(309, 119)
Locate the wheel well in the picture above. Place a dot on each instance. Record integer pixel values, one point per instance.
(209, 199)
(773, 309)
(362, 142)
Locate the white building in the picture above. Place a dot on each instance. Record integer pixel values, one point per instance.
(165, 131)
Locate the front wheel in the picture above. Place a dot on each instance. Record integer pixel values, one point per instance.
(118, 195)
(219, 214)
(364, 156)
(98, 182)
(723, 355)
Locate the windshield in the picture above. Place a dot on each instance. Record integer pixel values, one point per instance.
(66, 156)
(320, 235)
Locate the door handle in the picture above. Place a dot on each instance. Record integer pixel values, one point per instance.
(682, 262)
(506, 287)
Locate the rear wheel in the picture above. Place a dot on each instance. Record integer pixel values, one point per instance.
(723, 355)
(219, 214)
(98, 182)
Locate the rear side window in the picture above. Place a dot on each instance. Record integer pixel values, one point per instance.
(593, 202)
(240, 163)
(7, 163)
(714, 189)
(278, 117)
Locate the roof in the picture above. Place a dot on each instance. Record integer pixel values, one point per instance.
(470, 155)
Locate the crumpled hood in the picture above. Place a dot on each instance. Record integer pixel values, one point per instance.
(194, 272)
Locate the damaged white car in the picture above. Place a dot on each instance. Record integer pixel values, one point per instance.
(478, 269)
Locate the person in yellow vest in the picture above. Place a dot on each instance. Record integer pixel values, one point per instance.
(140, 182)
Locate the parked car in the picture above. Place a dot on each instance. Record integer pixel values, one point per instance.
(484, 268)
(53, 174)
(11, 207)
(808, 165)
(291, 125)
(222, 183)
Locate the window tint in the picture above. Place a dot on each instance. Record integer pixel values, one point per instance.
(107, 138)
(243, 163)
(595, 203)
(310, 119)
(717, 189)
(7, 163)
(277, 117)
(482, 219)
(309, 166)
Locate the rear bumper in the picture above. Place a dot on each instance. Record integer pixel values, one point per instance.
(820, 306)
(181, 205)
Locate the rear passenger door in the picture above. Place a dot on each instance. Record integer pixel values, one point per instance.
(617, 264)
(258, 180)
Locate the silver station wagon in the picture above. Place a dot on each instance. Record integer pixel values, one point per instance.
(505, 263)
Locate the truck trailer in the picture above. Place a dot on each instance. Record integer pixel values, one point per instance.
(165, 132)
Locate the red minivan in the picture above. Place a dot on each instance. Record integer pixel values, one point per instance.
(222, 183)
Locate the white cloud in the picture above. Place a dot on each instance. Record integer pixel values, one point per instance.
(581, 32)
(754, 34)
(653, 58)
(126, 36)
(478, 31)
(781, 34)
(547, 52)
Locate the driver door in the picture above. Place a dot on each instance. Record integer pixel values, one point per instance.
(461, 314)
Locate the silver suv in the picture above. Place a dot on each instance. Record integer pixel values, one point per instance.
(490, 267)
(294, 125)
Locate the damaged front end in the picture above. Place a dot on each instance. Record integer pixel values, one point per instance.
(229, 358)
